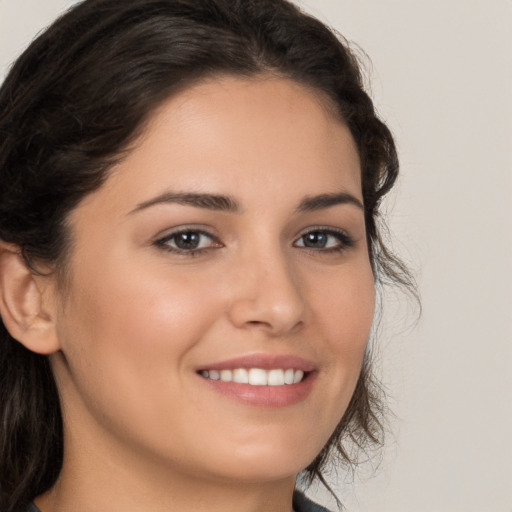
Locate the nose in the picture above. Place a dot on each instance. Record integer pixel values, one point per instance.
(267, 295)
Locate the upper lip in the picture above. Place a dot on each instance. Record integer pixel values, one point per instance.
(263, 361)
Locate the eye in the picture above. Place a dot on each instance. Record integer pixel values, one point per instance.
(325, 239)
(188, 241)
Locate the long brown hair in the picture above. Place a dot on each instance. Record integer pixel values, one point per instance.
(71, 105)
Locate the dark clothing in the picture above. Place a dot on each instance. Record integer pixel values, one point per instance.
(303, 504)
(300, 504)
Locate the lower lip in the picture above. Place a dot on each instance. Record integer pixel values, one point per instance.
(264, 396)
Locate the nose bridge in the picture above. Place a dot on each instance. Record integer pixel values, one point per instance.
(268, 292)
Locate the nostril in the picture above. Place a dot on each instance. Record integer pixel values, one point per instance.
(276, 315)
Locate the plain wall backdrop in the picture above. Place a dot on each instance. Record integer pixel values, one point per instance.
(441, 76)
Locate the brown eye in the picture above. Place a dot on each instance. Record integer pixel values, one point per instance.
(188, 241)
(325, 240)
(315, 240)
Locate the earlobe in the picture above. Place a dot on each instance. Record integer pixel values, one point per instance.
(24, 306)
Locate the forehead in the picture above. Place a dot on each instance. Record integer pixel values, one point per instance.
(242, 137)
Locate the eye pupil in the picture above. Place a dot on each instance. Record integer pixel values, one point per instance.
(187, 240)
(315, 240)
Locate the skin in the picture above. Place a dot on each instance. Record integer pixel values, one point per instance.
(135, 321)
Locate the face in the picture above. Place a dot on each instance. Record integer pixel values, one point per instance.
(220, 294)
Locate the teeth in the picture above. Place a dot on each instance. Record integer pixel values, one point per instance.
(256, 376)
(241, 375)
(213, 374)
(288, 376)
(275, 378)
(226, 375)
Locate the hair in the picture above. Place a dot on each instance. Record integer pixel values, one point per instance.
(71, 106)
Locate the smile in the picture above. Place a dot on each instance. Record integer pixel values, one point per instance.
(256, 376)
(263, 380)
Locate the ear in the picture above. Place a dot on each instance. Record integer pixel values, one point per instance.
(26, 303)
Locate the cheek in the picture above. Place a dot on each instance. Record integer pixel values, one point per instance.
(138, 307)
(346, 307)
(128, 333)
(345, 310)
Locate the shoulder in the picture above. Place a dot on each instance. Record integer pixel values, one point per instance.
(32, 508)
(301, 504)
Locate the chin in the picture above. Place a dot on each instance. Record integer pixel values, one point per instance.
(258, 471)
(267, 462)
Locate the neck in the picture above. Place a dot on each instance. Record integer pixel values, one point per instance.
(85, 495)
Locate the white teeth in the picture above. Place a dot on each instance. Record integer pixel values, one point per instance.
(275, 378)
(226, 375)
(256, 376)
(213, 374)
(288, 376)
(241, 375)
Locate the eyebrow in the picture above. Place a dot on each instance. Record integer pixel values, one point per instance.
(314, 203)
(207, 201)
(229, 204)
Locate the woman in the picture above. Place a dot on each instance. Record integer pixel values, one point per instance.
(189, 253)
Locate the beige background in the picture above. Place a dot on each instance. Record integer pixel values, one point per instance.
(442, 78)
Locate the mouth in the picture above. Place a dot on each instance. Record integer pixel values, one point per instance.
(261, 379)
(257, 376)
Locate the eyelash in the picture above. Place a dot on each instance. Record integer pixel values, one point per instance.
(163, 242)
(344, 241)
